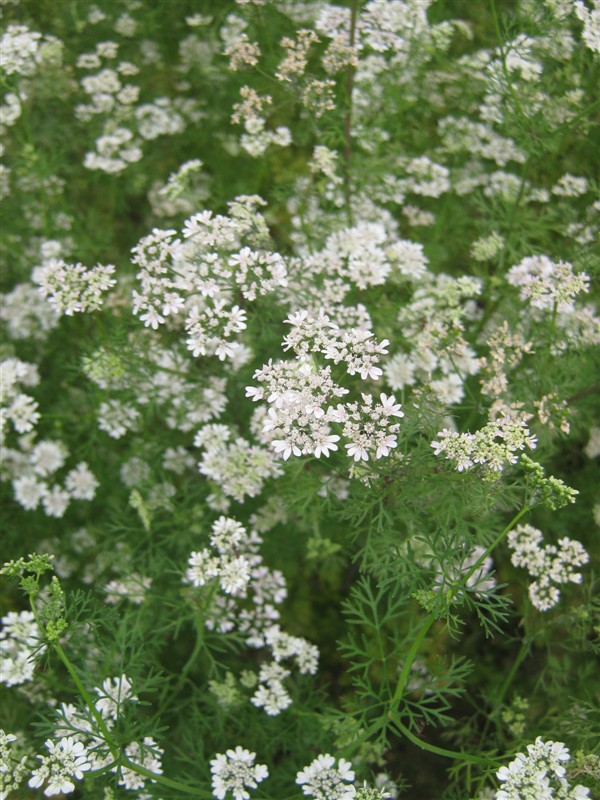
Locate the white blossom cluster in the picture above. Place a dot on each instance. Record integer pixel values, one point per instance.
(591, 23)
(26, 314)
(235, 771)
(323, 779)
(32, 469)
(16, 407)
(494, 447)
(237, 468)
(67, 761)
(20, 647)
(115, 151)
(23, 51)
(460, 134)
(539, 775)
(225, 560)
(192, 281)
(250, 112)
(116, 418)
(146, 754)
(163, 378)
(506, 351)
(113, 693)
(133, 587)
(13, 765)
(234, 565)
(549, 564)
(73, 288)
(81, 729)
(433, 323)
(108, 95)
(548, 285)
(366, 254)
(301, 395)
(271, 693)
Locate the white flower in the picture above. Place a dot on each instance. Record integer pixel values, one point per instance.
(273, 697)
(539, 774)
(235, 772)
(324, 781)
(81, 483)
(113, 694)
(234, 575)
(548, 564)
(285, 449)
(148, 755)
(323, 447)
(55, 502)
(357, 451)
(68, 759)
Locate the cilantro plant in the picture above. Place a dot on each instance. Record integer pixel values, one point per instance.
(299, 388)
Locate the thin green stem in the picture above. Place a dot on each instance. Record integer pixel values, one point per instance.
(102, 727)
(441, 751)
(410, 657)
(153, 776)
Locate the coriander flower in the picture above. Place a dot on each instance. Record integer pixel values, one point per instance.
(324, 781)
(12, 764)
(68, 759)
(113, 694)
(548, 564)
(235, 772)
(539, 775)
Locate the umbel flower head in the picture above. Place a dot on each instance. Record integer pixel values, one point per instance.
(68, 759)
(539, 775)
(324, 781)
(235, 772)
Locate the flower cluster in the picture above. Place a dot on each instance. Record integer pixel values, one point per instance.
(13, 766)
(33, 469)
(18, 408)
(132, 587)
(493, 447)
(301, 394)
(234, 565)
(192, 281)
(24, 51)
(547, 284)
(433, 324)
(550, 565)
(19, 647)
(238, 468)
(67, 760)
(26, 314)
(113, 694)
(324, 780)
(540, 774)
(271, 693)
(146, 754)
(73, 288)
(228, 540)
(235, 771)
